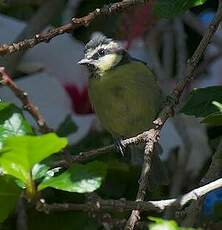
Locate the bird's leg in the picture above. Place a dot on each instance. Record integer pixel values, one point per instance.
(119, 146)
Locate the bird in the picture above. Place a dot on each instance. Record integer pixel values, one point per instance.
(123, 90)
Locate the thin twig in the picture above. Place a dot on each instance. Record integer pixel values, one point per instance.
(5, 79)
(167, 112)
(126, 205)
(69, 27)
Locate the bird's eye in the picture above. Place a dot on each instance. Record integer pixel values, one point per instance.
(101, 52)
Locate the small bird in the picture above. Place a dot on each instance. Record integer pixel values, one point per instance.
(123, 90)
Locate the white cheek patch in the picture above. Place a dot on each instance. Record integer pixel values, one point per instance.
(108, 61)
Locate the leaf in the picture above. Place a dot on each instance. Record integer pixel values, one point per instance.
(218, 105)
(161, 224)
(39, 171)
(67, 127)
(79, 178)
(12, 122)
(19, 154)
(9, 194)
(213, 119)
(172, 8)
(201, 102)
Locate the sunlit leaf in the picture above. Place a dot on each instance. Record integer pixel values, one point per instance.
(161, 224)
(79, 178)
(19, 154)
(39, 171)
(12, 122)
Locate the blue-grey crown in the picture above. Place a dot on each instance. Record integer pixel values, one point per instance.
(97, 41)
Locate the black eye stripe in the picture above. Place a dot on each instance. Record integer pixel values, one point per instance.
(99, 53)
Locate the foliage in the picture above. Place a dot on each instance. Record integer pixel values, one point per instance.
(26, 158)
(9, 194)
(78, 178)
(12, 122)
(67, 127)
(21, 157)
(171, 8)
(161, 224)
(19, 154)
(206, 103)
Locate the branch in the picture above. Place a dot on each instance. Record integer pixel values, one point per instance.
(126, 205)
(69, 27)
(5, 79)
(88, 155)
(167, 112)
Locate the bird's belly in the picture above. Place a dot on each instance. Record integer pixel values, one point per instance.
(123, 113)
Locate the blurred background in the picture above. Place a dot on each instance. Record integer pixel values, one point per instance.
(58, 86)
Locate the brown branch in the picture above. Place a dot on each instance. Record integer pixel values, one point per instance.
(69, 27)
(88, 155)
(5, 79)
(153, 136)
(126, 205)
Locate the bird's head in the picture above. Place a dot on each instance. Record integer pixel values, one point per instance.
(102, 54)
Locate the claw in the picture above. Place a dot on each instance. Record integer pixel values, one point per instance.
(119, 146)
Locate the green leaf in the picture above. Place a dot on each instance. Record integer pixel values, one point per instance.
(12, 122)
(218, 105)
(67, 127)
(39, 171)
(161, 224)
(19, 154)
(201, 102)
(9, 194)
(79, 178)
(172, 8)
(213, 119)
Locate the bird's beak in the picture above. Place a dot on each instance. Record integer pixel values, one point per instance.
(84, 61)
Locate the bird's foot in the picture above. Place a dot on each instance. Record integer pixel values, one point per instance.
(119, 146)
